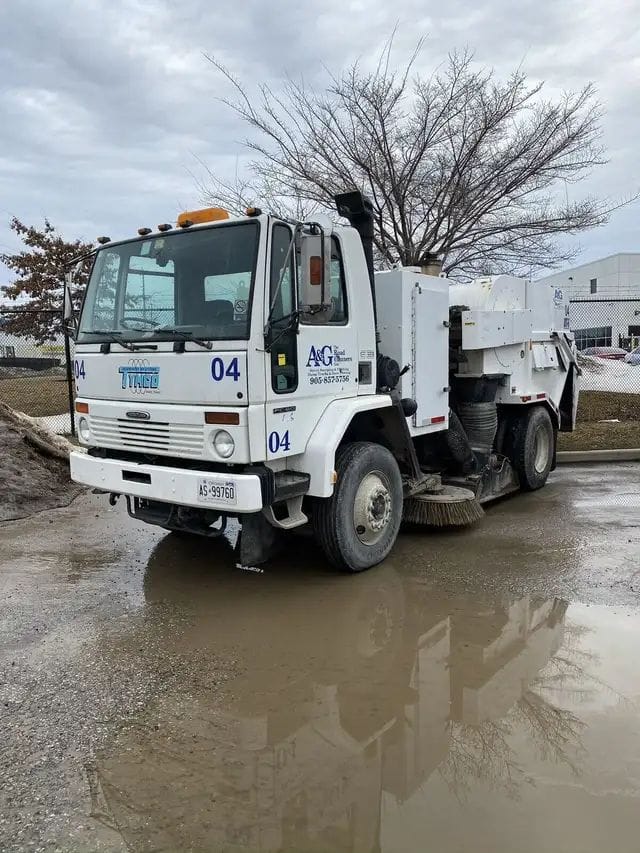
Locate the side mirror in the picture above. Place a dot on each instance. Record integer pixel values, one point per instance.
(314, 248)
(68, 313)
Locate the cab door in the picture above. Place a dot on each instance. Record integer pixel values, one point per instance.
(309, 363)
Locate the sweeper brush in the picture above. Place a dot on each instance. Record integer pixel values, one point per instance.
(450, 507)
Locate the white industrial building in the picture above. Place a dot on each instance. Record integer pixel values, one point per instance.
(605, 300)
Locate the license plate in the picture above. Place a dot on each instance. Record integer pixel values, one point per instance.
(217, 491)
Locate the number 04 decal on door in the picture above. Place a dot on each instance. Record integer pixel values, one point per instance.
(279, 441)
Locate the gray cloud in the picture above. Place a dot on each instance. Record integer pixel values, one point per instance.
(105, 107)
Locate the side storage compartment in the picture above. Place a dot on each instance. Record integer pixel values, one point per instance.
(413, 320)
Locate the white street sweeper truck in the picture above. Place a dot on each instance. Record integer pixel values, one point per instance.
(257, 369)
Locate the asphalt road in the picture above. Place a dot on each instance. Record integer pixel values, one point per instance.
(480, 690)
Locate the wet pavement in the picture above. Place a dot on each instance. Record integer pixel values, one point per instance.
(478, 691)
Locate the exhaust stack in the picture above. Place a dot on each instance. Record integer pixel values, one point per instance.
(431, 264)
(358, 210)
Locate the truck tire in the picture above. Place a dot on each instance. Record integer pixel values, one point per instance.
(358, 525)
(532, 447)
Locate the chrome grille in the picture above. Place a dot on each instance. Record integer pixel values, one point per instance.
(161, 437)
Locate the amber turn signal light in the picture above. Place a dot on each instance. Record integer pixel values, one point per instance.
(315, 270)
(82, 408)
(232, 418)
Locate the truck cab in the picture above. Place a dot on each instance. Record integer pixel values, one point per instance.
(203, 368)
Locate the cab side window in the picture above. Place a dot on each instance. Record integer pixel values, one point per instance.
(284, 359)
(338, 288)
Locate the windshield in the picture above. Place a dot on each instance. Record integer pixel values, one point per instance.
(196, 283)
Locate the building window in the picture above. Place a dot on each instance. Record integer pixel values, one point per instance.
(597, 337)
(594, 285)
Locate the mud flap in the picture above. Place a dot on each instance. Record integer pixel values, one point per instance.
(258, 540)
(570, 393)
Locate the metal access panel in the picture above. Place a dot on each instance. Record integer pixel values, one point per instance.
(488, 329)
(430, 344)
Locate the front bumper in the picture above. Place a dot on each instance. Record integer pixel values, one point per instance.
(162, 483)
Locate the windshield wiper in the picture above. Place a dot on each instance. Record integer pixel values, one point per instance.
(269, 328)
(116, 338)
(185, 336)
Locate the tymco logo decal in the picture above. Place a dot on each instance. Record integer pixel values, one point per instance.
(139, 376)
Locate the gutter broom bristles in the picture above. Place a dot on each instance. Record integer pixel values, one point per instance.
(453, 507)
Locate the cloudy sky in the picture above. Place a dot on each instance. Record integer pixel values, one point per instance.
(106, 108)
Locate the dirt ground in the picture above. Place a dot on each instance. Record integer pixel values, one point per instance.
(37, 396)
(592, 434)
(471, 693)
(31, 481)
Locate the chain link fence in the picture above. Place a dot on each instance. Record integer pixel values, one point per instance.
(607, 333)
(36, 376)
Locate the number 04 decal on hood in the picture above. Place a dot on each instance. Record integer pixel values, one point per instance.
(221, 368)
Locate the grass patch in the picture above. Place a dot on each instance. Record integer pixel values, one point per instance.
(36, 396)
(604, 405)
(592, 434)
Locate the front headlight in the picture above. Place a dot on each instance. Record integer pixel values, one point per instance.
(83, 430)
(223, 443)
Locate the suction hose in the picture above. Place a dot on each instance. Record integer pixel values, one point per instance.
(480, 421)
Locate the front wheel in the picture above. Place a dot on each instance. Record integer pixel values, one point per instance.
(358, 525)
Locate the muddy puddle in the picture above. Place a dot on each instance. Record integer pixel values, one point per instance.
(374, 713)
(457, 698)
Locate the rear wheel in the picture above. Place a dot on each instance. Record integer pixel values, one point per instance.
(358, 525)
(533, 440)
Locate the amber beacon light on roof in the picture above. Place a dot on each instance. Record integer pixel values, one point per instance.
(197, 217)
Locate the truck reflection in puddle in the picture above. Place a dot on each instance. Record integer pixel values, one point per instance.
(350, 689)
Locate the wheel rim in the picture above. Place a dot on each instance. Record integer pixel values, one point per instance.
(543, 446)
(372, 508)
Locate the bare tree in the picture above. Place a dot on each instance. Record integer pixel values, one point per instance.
(459, 164)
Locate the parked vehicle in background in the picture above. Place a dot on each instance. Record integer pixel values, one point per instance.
(633, 357)
(615, 353)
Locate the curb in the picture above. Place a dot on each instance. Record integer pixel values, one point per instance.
(569, 456)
